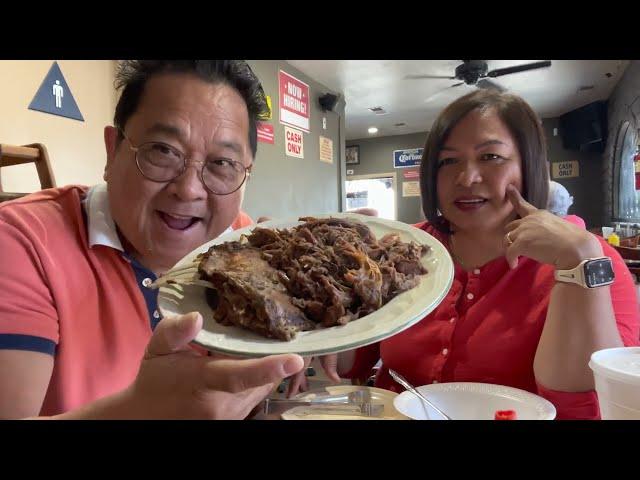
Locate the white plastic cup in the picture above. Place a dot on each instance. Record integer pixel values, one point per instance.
(606, 231)
(617, 376)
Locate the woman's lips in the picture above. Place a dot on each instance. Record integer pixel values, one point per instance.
(470, 204)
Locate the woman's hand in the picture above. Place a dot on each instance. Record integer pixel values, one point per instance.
(546, 238)
(298, 382)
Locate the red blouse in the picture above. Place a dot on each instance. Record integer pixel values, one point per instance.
(487, 330)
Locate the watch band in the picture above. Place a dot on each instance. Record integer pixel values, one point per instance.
(574, 275)
(578, 275)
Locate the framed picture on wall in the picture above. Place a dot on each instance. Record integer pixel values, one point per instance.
(352, 154)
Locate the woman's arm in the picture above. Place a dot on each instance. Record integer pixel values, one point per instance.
(579, 320)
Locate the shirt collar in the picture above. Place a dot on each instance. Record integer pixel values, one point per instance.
(101, 227)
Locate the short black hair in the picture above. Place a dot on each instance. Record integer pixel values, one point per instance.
(132, 76)
(523, 124)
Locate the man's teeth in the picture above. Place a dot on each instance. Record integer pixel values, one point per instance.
(472, 201)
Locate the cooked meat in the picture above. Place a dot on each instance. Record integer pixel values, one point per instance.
(250, 294)
(324, 271)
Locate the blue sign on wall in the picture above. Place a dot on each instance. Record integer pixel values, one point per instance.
(54, 96)
(409, 157)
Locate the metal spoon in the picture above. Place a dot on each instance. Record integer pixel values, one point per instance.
(402, 381)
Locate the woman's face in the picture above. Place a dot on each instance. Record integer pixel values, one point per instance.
(476, 163)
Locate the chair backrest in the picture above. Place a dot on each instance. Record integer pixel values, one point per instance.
(18, 155)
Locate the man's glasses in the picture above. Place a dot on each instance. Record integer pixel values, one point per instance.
(160, 162)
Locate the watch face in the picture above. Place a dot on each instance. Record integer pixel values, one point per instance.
(598, 272)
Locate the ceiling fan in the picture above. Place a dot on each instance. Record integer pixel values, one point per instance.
(477, 73)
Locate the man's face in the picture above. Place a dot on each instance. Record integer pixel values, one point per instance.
(162, 222)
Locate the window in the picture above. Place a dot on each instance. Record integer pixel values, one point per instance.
(626, 201)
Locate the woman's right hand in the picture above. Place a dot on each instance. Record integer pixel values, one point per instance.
(174, 381)
(298, 382)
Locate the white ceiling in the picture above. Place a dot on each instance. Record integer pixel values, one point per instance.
(381, 83)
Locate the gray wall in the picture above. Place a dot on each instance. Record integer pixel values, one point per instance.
(624, 105)
(283, 186)
(587, 188)
(376, 156)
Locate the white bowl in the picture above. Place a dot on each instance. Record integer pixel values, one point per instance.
(473, 401)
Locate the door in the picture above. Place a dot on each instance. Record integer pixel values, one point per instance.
(373, 191)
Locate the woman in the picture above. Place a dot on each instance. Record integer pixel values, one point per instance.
(559, 199)
(505, 320)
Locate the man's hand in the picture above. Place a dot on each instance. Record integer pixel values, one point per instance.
(176, 382)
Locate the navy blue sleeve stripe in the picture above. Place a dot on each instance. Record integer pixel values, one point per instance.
(11, 341)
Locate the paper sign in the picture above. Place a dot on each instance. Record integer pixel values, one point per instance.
(565, 169)
(54, 96)
(326, 150)
(293, 142)
(410, 189)
(269, 114)
(294, 102)
(265, 133)
(411, 174)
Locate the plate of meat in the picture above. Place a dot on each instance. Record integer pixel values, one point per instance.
(310, 285)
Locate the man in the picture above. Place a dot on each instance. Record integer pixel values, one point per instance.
(80, 335)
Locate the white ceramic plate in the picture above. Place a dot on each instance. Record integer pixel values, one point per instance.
(400, 313)
(378, 395)
(474, 401)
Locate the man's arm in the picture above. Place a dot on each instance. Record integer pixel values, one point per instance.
(24, 379)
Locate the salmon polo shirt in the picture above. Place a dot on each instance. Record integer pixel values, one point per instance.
(68, 289)
(487, 330)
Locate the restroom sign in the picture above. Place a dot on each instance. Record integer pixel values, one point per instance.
(565, 169)
(293, 142)
(54, 96)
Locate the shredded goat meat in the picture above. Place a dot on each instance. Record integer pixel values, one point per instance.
(322, 273)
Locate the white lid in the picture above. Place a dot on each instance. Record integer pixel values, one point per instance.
(620, 363)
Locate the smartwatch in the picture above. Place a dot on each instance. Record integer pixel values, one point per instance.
(590, 273)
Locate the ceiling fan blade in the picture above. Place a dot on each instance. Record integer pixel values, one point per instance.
(443, 90)
(490, 85)
(420, 77)
(518, 68)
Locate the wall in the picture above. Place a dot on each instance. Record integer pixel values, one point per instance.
(624, 105)
(283, 186)
(76, 149)
(376, 156)
(586, 189)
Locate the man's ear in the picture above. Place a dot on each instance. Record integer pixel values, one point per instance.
(111, 145)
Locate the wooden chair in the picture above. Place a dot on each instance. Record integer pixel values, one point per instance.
(631, 242)
(628, 253)
(17, 155)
